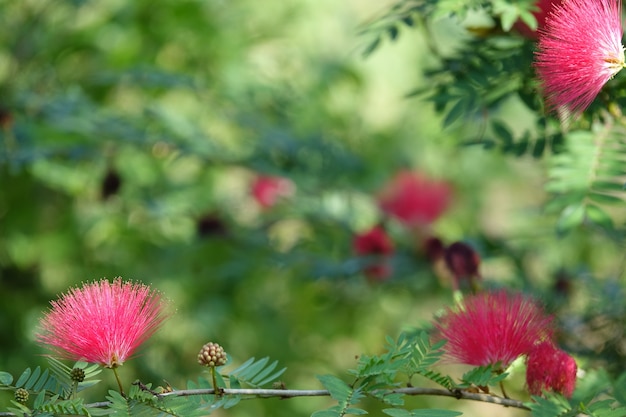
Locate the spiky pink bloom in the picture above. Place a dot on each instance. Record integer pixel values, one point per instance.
(102, 322)
(492, 328)
(375, 241)
(267, 190)
(550, 369)
(579, 51)
(414, 199)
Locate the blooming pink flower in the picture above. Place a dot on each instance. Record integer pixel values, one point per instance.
(579, 50)
(545, 7)
(266, 190)
(102, 322)
(375, 242)
(492, 328)
(414, 199)
(550, 369)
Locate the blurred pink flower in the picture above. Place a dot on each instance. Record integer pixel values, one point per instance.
(266, 190)
(579, 50)
(102, 322)
(550, 369)
(492, 328)
(375, 241)
(414, 199)
(545, 7)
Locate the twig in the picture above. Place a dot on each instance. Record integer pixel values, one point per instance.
(292, 393)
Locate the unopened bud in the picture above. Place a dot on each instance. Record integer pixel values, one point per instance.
(463, 261)
(77, 375)
(21, 395)
(212, 355)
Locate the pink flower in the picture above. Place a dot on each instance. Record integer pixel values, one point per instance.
(414, 199)
(266, 190)
(579, 50)
(545, 7)
(492, 329)
(102, 322)
(550, 369)
(375, 242)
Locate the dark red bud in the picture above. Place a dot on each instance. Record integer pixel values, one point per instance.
(111, 184)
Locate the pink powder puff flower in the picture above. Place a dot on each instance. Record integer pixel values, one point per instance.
(545, 7)
(102, 322)
(375, 241)
(579, 51)
(550, 369)
(414, 199)
(492, 328)
(267, 190)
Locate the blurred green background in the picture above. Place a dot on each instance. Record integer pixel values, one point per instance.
(180, 104)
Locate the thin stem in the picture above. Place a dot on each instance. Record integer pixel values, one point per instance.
(504, 394)
(215, 388)
(119, 382)
(280, 393)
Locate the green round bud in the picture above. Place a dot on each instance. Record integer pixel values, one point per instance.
(77, 375)
(21, 395)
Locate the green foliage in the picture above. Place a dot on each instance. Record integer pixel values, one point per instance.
(53, 389)
(557, 406)
(482, 376)
(588, 176)
(140, 402)
(431, 412)
(255, 374)
(344, 394)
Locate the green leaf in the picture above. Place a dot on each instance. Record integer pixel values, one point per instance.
(372, 47)
(6, 378)
(599, 217)
(394, 399)
(257, 373)
(331, 412)
(23, 378)
(42, 381)
(434, 412)
(397, 412)
(573, 216)
(354, 411)
(41, 397)
(338, 389)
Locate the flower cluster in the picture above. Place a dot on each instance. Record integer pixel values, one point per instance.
(496, 328)
(102, 322)
(579, 51)
(550, 369)
(493, 328)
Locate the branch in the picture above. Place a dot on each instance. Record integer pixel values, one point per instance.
(292, 393)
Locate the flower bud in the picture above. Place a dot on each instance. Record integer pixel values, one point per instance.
(21, 395)
(77, 375)
(212, 355)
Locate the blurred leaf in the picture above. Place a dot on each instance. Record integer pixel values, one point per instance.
(338, 389)
(6, 378)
